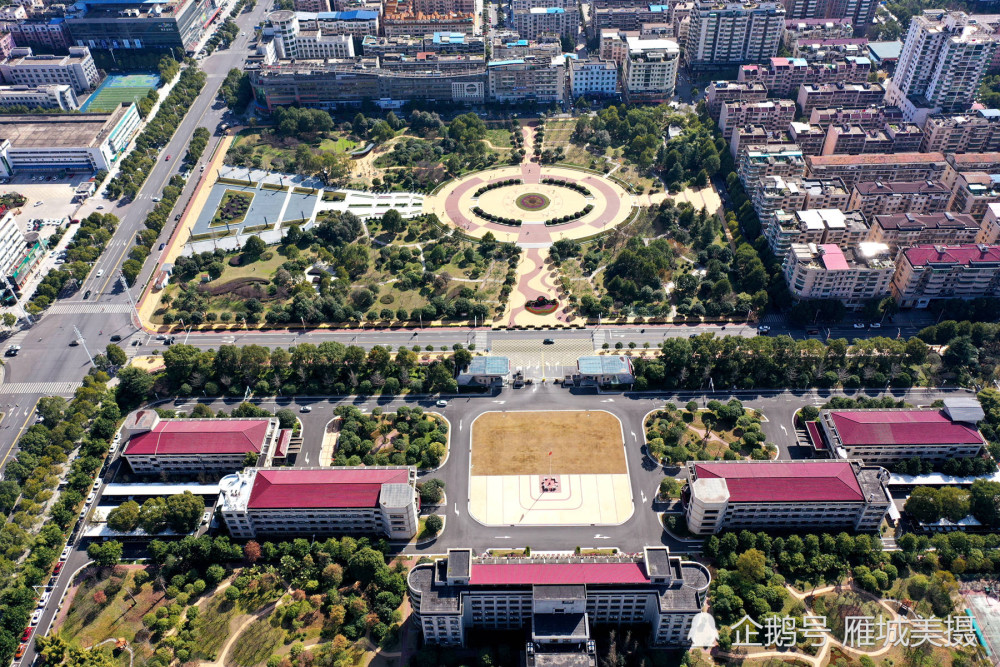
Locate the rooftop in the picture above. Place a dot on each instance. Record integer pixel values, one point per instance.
(911, 222)
(489, 366)
(604, 365)
(899, 427)
(901, 187)
(278, 488)
(200, 436)
(963, 254)
(59, 130)
(785, 481)
(874, 158)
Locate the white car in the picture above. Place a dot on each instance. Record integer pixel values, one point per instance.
(37, 616)
(38, 203)
(442, 403)
(66, 552)
(44, 600)
(97, 484)
(206, 517)
(100, 272)
(90, 498)
(875, 325)
(859, 325)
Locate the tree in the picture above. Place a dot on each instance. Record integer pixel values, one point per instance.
(251, 552)
(134, 385)
(985, 502)
(152, 515)
(923, 505)
(750, 565)
(669, 488)
(184, 511)
(254, 248)
(51, 409)
(105, 554)
(393, 222)
(286, 418)
(125, 517)
(115, 355)
(365, 564)
(433, 524)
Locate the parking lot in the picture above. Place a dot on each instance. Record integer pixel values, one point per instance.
(50, 201)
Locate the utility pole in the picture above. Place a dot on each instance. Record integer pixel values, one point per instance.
(131, 302)
(83, 342)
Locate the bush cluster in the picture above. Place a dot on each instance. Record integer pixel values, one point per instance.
(499, 219)
(570, 217)
(499, 184)
(567, 184)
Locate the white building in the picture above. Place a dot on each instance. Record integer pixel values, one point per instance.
(316, 43)
(558, 597)
(530, 23)
(944, 57)
(76, 69)
(732, 33)
(320, 501)
(45, 96)
(193, 446)
(650, 73)
(827, 271)
(485, 371)
(784, 495)
(532, 78)
(12, 244)
(287, 25)
(77, 142)
(592, 78)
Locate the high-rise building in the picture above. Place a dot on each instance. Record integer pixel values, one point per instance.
(929, 272)
(858, 12)
(76, 69)
(130, 24)
(943, 60)
(731, 33)
(530, 23)
(650, 72)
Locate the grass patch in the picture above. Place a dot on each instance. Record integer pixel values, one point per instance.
(233, 208)
(499, 138)
(501, 444)
(213, 624)
(334, 196)
(255, 644)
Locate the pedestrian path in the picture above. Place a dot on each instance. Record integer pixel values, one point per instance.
(79, 308)
(48, 388)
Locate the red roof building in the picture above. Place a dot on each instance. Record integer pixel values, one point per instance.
(928, 272)
(784, 495)
(320, 501)
(196, 445)
(884, 437)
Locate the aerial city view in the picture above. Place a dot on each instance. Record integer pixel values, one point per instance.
(500, 333)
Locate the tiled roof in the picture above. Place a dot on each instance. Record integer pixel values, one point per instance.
(874, 158)
(944, 220)
(500, 574)
(922, 255)
(200, 436)
(892, 427)
(833, 257)
(900, 187)
(280, 488)
(815, 437)
(786, 481)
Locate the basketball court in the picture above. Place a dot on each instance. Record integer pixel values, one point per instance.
(986, 610)
(560, 468)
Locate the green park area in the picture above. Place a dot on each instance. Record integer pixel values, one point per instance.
(406, 437)
(233, 208)
(209, 601)
(335, 273)
(265, 149)
(720, 431)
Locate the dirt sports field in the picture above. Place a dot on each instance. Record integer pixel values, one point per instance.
(582, 442)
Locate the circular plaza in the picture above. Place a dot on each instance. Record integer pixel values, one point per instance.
(534, 204)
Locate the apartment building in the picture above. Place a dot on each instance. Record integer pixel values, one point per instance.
(973, 132)
(133, 24)
(974, 191)
(815, 28)
(540, 79)
(545, 46)
(313, 502)
(989, 231)
(289, 26)
(650, 72)
(756, 135)
(592, 78)
(878, 167)
(815, 226)
(13, 246)
(720, 92)
(885, 437)
(826, 95)
(441, 43)
(48, 35)
(775, 193)
(559, 597)
(852, 275)
(903, 230)
(889, 198)
(530, 23)
(333, 85)
(312, 5)
(45, 96)
(944, 57)
(857, 140)
(831, 50)
(629, 18)
(407, 23)
(75, 142)
(785, 495)
(76, 69)
(191, 446)
(810, 138)
(783, 76)
(732, 33)
(445, 6)
(758, 162)
(858, 12)
(871, 117)
(959, 162)
(928, 272)
(775, 115)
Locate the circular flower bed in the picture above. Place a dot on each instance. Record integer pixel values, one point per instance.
(532, 202)
(541, 306)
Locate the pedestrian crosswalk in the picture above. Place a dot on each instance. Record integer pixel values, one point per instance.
(78, 308)
(47, 388)
(482, 341)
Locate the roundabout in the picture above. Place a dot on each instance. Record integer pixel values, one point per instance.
(532, 205)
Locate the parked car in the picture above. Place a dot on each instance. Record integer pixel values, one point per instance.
(206, 517)
(58, 568)
(36, 616)
(27, 634)
(306, 408)
(86, 295)
(44, 600)
(91, 497)
(115, 338)
(20, 651)
(66, 552)
(442, 403)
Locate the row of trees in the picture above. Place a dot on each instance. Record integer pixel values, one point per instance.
(928, 504)
(154, 223)
(235, 90)
(138, 164)
(79, 431)
(90, 241)
(181, 513)
(406, 437)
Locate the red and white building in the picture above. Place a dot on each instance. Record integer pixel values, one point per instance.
(929, 272)
(884, 437)
(558, 597)
(320, 501)
(192, 446)
(785, 495)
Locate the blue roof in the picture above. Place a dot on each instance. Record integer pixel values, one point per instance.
(520, 42)
(604, 365)
(494, 63)
(659, 8)
(989, 113)
(883, 50)
(489, 366)
(353, 15)
(458, 37)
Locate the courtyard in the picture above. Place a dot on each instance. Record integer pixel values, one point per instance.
(577, 456)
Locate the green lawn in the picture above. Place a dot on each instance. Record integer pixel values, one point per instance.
(276, 153)
(499, 138)
(212, 627)
(255, 644)
(231, 198)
